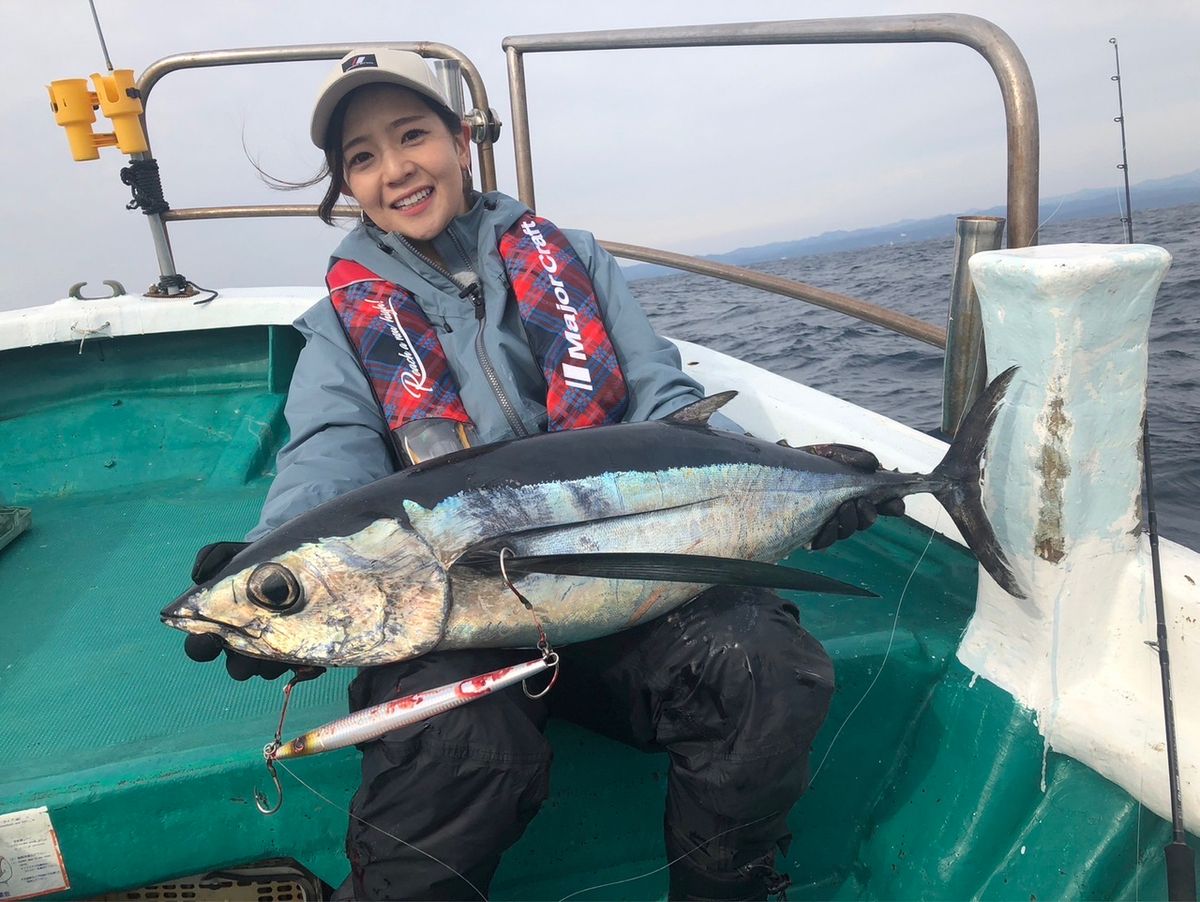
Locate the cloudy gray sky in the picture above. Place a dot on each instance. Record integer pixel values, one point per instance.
(697, 150)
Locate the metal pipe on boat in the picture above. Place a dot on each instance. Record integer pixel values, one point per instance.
(831, 300)
(448, 74)
(251, 211)
(964, 372)
(519, 102)
(1006, 61)
(157, 70)
(162, 241)
(898, 322)
(431, 50)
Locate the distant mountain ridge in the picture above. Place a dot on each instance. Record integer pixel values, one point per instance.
(1173, 191)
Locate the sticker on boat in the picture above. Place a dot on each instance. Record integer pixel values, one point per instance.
(31, 863)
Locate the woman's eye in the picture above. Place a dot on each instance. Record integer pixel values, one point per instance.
(414, 134)
(359, 159)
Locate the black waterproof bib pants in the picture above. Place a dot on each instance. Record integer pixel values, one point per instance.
(729, 685)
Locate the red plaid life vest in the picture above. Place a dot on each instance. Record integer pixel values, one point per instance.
(407, 368)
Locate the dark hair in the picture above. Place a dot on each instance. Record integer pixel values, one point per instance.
(334, 167)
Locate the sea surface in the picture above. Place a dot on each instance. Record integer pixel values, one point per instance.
(878, 369)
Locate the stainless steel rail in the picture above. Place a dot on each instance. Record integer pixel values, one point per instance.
(250, 211)
(963, 345)
(310, 52)
(1016, 84)
(964, 371)
(156, 71)
(1012, 74)
(832, 300)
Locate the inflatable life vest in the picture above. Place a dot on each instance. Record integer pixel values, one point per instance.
(407, 367)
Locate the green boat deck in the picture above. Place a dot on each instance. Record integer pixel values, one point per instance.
(138, 451)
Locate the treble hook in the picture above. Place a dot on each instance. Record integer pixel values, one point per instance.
(269, 750)
(549, 655)
(551, 659)
(260, 798)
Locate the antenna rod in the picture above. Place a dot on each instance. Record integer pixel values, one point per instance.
(100, 34)
(1181, 867)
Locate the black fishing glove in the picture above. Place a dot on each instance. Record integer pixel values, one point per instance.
(210, 560)
(858, 513)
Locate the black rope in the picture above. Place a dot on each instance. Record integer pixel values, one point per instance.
(180, 286)
(212, 293)
(142, 177)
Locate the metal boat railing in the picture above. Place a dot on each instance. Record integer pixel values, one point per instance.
(964, 366)
(459, 68)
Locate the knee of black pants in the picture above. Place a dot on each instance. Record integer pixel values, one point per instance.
(461, 787)
(740, 677)
(748, 690)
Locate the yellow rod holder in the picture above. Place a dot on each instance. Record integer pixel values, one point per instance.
(116, 96)
(121, 102)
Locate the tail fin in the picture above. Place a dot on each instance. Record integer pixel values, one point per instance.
(961, 496)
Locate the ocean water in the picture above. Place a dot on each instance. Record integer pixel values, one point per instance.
(878, 369)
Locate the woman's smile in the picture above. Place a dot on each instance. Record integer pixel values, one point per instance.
(413, 201)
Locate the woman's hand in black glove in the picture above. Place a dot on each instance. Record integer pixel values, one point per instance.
(207, 647)
(858, 513)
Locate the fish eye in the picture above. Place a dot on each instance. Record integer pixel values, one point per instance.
(274, 587)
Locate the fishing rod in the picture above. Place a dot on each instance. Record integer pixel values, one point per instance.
(1181, 868)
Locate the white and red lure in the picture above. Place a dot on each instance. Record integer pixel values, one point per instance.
(371, 723)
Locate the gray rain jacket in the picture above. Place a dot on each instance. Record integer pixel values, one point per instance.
(339, 439)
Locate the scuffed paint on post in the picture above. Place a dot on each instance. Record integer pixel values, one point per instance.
(1053, 468)
(1062, 486)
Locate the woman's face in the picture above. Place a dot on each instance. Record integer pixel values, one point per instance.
(401, 164)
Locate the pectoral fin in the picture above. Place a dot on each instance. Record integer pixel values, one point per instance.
(684, 568)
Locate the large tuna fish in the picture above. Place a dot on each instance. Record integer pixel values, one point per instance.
(594, 520)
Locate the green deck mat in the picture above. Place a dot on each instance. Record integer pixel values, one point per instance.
(137, 453)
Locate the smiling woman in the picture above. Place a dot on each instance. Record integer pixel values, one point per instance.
(456, 318)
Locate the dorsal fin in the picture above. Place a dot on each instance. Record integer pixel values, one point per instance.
(698, 412)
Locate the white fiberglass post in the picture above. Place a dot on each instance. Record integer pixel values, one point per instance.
(1062, 487)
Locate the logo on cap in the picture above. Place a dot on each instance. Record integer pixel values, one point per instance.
(365, 59)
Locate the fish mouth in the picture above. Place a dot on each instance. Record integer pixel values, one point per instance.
(182, 608)
(182, 615)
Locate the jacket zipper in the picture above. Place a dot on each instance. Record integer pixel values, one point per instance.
(475, 293)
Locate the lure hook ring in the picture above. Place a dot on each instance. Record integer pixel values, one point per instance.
(260, 798)
(551, 660)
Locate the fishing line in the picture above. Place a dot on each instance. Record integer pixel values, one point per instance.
(669, 863)
(887, 652)
(883, 663)
(1124, 215)
(367, 823)
(1061, 201)
(1137, 850)
(896, 619)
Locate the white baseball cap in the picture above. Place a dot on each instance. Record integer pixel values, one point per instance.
(364, 67)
